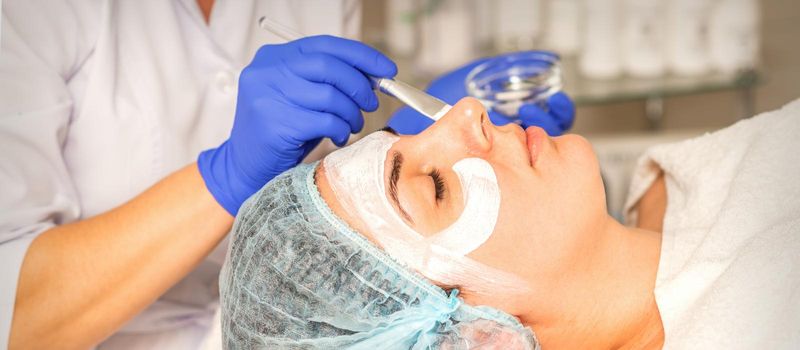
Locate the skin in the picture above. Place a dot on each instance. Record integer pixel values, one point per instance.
(591, 278)
(81, 281)
(205, 8)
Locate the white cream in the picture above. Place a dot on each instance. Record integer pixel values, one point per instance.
(481, 207)
(356, 175)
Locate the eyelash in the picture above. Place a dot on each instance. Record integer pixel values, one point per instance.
(438, 184)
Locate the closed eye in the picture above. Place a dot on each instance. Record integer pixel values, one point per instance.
(438, 184)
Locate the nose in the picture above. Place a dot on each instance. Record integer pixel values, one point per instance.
(469, 105)
(472, 123)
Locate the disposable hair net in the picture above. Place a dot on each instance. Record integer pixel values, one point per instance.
(296, 276)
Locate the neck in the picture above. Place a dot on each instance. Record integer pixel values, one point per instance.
(606, 300)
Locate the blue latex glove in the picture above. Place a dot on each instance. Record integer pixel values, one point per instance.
(450, 88)
(290, 97)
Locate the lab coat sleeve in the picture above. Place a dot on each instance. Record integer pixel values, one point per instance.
(42, 44)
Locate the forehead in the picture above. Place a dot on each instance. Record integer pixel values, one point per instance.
(327, 194)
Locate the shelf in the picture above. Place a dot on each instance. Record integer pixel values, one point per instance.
(585, 91)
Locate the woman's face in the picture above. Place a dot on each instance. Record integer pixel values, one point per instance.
(551, 194)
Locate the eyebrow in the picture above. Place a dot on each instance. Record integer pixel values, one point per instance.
(394, 176)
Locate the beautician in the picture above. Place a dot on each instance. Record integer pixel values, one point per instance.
(126, 150)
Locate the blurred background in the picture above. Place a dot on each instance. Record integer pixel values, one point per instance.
(641, 72)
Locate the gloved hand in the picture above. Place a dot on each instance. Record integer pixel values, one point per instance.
(290, 97)
(450, 88)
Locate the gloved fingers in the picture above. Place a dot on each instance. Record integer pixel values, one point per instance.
(325, 98)
(563, 109)
(531, 114)
(355, 53)
(322, 68)
(309, 125)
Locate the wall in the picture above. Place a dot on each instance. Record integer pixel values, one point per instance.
(780, 30)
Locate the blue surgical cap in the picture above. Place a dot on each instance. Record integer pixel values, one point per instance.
(297, 276)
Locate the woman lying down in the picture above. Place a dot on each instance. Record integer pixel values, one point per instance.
(471, 235)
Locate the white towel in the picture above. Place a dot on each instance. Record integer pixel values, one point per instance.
(729, 272)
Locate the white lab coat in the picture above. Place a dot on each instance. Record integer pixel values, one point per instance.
(99, 99)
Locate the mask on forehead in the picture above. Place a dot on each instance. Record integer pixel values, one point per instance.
(356, 176)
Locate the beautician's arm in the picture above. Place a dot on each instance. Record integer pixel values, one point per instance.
(81, 281)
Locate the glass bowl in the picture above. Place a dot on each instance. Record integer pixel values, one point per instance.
(506, 82)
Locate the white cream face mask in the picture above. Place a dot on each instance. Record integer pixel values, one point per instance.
(356, 176)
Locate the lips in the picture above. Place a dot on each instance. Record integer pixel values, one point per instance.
(535, 136)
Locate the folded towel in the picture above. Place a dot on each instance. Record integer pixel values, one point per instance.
(729, 272)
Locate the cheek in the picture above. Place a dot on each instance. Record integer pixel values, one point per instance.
(543, 219)
(518, 236)
(527, 242)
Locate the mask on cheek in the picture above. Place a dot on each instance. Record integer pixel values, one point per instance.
(356, 176)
